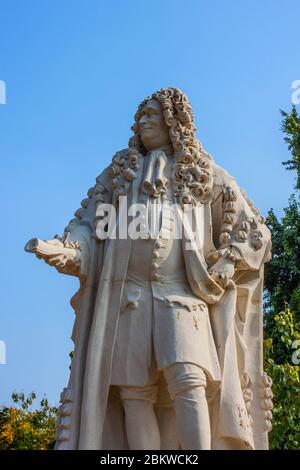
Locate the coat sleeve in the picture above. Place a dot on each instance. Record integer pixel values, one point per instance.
(80, 230)
(238, 226)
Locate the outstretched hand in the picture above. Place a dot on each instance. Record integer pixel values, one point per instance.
(57, 254)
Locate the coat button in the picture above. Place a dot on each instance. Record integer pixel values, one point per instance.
(155, 277)
(155, 254)
(155, 266)
(158, 244)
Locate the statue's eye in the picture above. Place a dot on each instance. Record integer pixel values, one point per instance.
(151, 112)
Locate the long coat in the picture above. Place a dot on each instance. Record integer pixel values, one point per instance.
(91, 414)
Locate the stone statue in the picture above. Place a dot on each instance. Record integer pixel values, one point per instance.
(168, 330)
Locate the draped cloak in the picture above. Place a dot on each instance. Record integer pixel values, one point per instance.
(91, 414)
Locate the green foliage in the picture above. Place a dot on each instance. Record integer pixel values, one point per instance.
(282, 276)
(286, 385)
(282, 279)
(291, 129)
(22, 428)
(282, 316)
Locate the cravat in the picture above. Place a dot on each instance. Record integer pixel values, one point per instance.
(155, 183)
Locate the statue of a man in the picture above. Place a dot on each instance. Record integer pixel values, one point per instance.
(168, 330)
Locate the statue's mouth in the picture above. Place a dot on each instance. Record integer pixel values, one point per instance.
(147, 128)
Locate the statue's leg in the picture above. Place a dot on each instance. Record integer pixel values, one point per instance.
(186, 385)
(140, 418)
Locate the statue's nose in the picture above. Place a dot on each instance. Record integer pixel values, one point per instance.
(143, 119)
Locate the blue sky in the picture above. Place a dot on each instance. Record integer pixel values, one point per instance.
(75, 72)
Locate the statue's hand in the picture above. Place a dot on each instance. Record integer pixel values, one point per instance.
(54, 252)
(60, 257)
(222, 271)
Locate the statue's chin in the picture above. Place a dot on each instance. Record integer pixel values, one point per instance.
(147, 141)
(151, 144)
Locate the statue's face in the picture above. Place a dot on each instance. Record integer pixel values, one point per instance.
(152, 127)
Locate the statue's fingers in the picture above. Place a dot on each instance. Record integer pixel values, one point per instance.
(222, 279)
(217, 277)
(61, 264)
(214, 275)
(53, 260)
(225, 280)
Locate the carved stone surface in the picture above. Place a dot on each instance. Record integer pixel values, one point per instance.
(169, 252)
